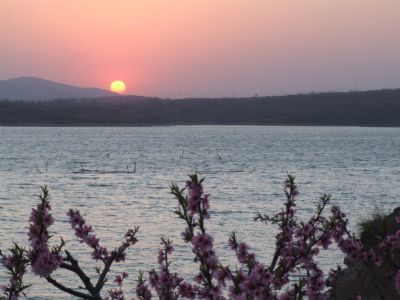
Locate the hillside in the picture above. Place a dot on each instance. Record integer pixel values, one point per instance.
(370, 108)
(31, 88)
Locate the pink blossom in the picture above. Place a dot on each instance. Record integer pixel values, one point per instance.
(188, 290)
(202, 242)
(198, 278)
(221, 275)
(143, 292)
(45, 263)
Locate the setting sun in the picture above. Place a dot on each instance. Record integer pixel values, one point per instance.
(118, 87)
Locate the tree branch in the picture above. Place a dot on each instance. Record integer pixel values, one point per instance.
(70, 291)
(107, 266)
(74, 267)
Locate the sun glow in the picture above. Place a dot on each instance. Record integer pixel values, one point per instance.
(118, 87)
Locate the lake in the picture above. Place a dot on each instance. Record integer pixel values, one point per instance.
(244, 167)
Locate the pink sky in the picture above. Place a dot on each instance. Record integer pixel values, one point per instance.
(171, 48)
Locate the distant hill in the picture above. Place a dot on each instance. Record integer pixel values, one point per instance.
(369, 108)
(31, 88)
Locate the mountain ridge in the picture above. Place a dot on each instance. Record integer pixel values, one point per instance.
(27, 88)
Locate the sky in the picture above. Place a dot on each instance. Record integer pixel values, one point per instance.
(204, 48)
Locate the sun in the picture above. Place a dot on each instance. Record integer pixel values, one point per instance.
(118, 86)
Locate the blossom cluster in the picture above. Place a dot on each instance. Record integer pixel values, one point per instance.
(143, 291)
(129, 240)
(165, 283)
(252, 277)
(117, 293)
(84, 233)
(43, 259)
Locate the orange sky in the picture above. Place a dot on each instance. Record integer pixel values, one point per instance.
(171, 48)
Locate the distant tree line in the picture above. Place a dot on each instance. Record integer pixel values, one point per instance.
(371, 108)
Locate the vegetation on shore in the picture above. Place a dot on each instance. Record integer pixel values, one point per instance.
(370, 108)
(375, 281)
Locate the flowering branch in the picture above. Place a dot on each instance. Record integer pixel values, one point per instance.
(164, 282)
(142, 290)
(297, 245)
(16, 264)
(193, 209)
(118, 294)
(45, 260)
